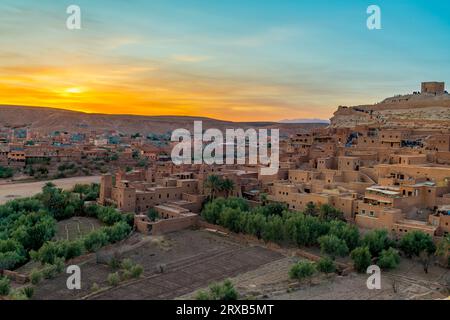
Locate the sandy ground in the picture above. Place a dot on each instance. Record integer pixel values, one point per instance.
(28, 189)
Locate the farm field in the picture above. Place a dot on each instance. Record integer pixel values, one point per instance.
(409, 280)
(271, 281)
(179, 264)
(189, 259)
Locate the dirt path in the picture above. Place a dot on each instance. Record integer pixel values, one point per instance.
(28, 189)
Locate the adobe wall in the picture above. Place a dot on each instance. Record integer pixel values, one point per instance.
(443, 157)
(174, 224)
(14, 276)
(433, 87)
(437, 174)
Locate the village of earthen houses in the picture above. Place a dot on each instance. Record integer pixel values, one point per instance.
(372, 187)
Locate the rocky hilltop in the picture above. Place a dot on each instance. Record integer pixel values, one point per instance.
(429, 108)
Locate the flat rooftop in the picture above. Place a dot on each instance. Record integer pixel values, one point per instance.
(383, 190)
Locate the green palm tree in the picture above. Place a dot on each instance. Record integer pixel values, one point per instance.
(227, 185)
(263, 198)
(213, 184)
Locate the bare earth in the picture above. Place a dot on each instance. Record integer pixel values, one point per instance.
(47, 120)
(28, 189)
(271, 281)
(193, 259)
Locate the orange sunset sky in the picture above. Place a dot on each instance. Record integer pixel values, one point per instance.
(233, 60)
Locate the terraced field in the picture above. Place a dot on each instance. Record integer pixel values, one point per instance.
(188, 259)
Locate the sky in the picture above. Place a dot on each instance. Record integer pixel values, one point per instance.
(240, 60)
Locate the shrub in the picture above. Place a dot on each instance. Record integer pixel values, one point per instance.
(377, 241)
(224, 291)
(95, 240)
(50, 271)
(49, 252)
(443, 251)
(126, 264)
(114, 263)
(109, 215)
(389, 259)
(326, 265)
(415, 242)
(6, 172)
(136, 271)
(5, 286)
(117, 232)
(126, 274)
(10, 259)
(35, 276)
(113, 279)
(95, 287)
(74, 249)
(361, 258)
(28, 292)
(301, 270)
(328, 212)
(202, 295)
(18, 295)
(62, 249)
(59, 265)
(91, 210)
(333, 246)
(219, 291)
(348, 233)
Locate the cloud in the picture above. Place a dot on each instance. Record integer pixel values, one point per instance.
(190, 58)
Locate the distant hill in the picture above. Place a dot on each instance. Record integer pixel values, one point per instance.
(49, 119)
(322, 121)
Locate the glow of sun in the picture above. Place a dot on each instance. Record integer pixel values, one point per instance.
(74, 90)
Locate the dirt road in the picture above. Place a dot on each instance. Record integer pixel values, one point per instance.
(27, 189)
